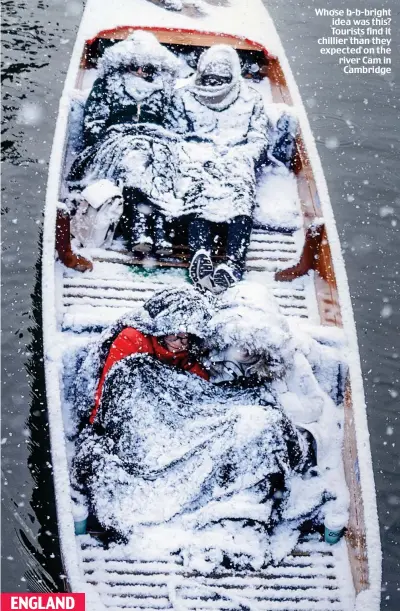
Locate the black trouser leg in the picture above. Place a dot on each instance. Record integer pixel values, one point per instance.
(199, 235)
(126, 219)
(139, 228)
(239, 231)
(135, 221)
(159, 228)
(161, 238)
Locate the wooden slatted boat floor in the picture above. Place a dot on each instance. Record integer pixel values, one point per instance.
(314, 577)
(92, 301)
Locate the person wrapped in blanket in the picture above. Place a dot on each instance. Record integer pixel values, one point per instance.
(124, 136)
(165, 447)
(226, 137)
(255, 346)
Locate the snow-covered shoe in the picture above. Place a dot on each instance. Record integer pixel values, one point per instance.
(224, 277)
(144, 245)
(164, 248)
(201, 270)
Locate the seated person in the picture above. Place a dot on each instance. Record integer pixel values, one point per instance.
(166, 447)
(166, 328)
(266, 351)
(225, 128)
(174, 349)
(123, 130)
(260, 350)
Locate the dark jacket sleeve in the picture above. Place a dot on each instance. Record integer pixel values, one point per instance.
(177, 119)
(97, 112)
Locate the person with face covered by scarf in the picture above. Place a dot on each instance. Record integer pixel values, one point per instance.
(124, 136)
(226, 132)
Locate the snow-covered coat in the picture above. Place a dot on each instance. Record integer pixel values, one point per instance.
(119, 108)
(119, 96)
(226, 135)
(170, 446)
(113, 100)
(299, 371)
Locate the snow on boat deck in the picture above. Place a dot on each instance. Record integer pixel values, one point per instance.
(95, 300)
(314, 577)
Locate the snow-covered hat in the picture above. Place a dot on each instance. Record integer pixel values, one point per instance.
(140, 48)
(97, 193)
(179, 310)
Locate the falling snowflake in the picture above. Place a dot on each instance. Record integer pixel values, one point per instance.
(385, 211)
(386, 311)
(332, 142)
(30, 113)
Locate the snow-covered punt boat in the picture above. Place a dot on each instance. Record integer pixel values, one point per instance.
(294, 251)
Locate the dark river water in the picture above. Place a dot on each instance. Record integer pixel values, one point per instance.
(355, 120)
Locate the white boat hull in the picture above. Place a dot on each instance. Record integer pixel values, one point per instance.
(71, 303)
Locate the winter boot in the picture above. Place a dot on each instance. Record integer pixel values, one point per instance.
(201, 270)
(224, 277)
(63, 244)
(162, 246)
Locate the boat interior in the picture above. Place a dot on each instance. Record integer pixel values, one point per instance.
(295, 262)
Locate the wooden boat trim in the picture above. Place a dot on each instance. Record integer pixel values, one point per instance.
(182, 36)
(355, 536)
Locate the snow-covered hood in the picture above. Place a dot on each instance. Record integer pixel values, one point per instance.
(140, 48)
(167, 312)
(220, 60)
(248, 318)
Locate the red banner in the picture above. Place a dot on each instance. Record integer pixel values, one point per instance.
(38, 602)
